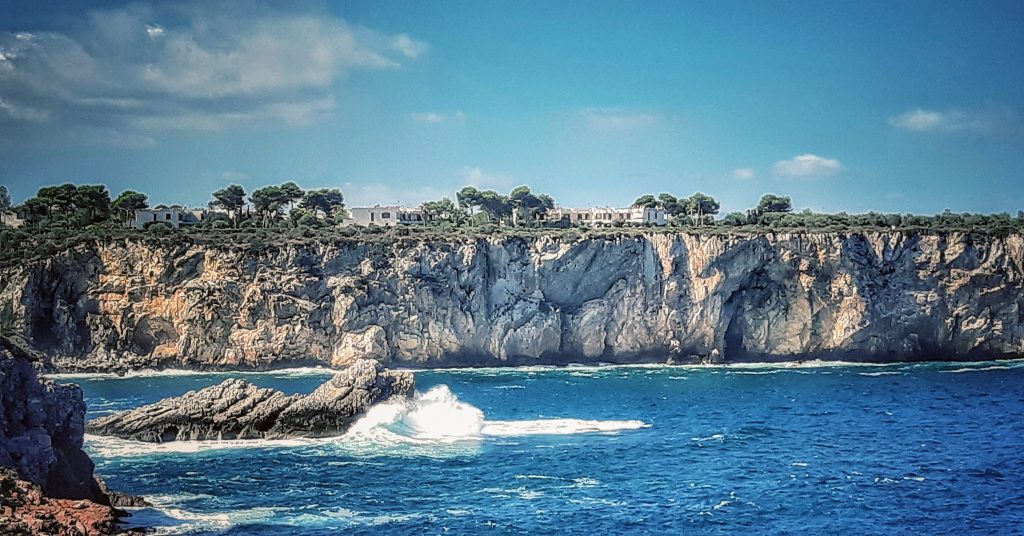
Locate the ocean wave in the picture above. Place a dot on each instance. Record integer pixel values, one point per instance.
(158, 373)
(432, 423)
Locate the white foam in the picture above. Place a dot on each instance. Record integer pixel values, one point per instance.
(431, 419)
(558, 427)
(156, 373)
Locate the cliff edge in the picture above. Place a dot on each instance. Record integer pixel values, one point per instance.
(486, 301)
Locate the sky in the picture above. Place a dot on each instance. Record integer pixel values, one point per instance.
(845, 106)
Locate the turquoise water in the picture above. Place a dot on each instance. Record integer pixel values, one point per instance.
(897, 449)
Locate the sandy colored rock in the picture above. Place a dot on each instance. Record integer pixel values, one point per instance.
(878, 296)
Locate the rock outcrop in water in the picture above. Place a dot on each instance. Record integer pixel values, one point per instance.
(876, 296)
(236, 409)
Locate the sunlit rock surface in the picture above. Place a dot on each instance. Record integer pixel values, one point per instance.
(505, 300)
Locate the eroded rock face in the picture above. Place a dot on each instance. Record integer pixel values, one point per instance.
(41, 432)
(236, 409)
(491, 301)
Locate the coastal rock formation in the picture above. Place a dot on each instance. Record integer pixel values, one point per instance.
(42, 430)
(236, 409)
(47, 484)
(25, 510)
(488, 301)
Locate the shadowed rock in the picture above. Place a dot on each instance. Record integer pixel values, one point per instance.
(236, 409)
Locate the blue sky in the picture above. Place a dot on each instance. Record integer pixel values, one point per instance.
(891, 106)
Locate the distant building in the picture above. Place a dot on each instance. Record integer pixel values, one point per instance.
(604, 216)
(174, 216)
(385, 215)
(11, 219)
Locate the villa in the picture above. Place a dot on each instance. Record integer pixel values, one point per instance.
(386, 215)
(175, 216)
(605, 216)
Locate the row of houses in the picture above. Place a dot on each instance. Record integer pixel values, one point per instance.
(388, 215)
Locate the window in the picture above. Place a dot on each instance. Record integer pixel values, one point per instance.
(167, 216)
(385, 215)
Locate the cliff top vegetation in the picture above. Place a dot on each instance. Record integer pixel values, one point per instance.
(66, 216)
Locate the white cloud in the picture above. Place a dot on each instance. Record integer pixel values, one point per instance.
(474, 176)
(808, 165)
(743, 173)
(146, 68)
(408, 46)
(979, 121)
(618, 119)
(427, 117)
(435, 117)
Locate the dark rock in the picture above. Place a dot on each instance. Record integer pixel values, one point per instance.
(41, 432)
(236, 409)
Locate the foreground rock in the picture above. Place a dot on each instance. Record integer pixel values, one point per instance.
(47, 484)
(25, 510)
(236, 409)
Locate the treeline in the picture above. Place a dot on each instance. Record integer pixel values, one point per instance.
(73, 207)
(90, 206)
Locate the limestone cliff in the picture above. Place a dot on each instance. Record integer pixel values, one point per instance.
(514, 300)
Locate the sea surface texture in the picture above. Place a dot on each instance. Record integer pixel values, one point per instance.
(818, 448)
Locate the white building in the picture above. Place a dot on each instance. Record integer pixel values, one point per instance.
(11, 219)
(604, 216)
(174, 216)
(385, 215)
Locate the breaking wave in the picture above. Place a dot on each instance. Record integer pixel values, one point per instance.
(430, 419)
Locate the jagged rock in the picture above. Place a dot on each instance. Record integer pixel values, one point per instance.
(41, 432)
(25, 510)
(236, 409)
(881, 296)
(47, 484)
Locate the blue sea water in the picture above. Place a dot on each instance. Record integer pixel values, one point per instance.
(934, 448)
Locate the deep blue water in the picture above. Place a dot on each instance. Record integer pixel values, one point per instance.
(898, 449)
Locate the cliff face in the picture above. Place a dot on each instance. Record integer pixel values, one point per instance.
(863, 296)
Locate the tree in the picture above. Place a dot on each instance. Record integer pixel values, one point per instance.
(701, 205)
(645, 201)
(93, 200)
(293, 192)
(5, 199)
(774, 203)
(269, 202)
(672, 205)
(495, 205)
(468, 198)
(735, 219)
(231, 199)
(444, 210)
(327, 200)
(128, 202)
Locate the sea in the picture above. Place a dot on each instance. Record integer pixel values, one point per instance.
(810, 448)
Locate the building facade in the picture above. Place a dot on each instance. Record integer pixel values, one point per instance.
(173, 216)
(606, 216)
(385, 215)
(11, 219)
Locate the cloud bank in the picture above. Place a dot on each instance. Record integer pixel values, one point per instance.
(141, 70)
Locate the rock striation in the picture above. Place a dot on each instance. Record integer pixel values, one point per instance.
(236, 409)
(487, 301)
